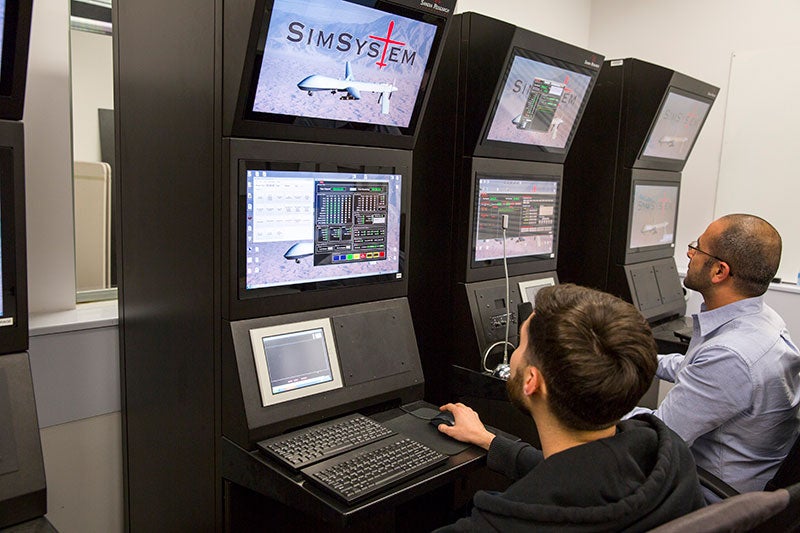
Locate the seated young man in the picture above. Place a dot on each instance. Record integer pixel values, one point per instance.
(584, 360)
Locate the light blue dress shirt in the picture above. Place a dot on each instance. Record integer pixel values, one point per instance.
(736, 399)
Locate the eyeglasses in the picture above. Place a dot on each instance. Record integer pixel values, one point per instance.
(693, 246)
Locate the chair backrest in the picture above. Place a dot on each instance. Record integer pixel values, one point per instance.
(789, 471)
(787, 520)
(740, 513)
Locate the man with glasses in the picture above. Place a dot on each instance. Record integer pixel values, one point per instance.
(736, 399)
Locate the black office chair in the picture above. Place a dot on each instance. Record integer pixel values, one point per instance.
(752, 512)
(788, 474)
(787, 477)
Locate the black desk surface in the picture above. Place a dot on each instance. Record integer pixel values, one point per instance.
(259, 473)
(665, 335)
(38, 525)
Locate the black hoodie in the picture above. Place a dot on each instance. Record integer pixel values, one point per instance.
(641, 477)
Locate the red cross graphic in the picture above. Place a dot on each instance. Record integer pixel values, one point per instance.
(386, 42)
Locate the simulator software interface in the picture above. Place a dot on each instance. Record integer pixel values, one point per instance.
(315, 226)
(295, 360)
(653, 215)
(676, 127)
(539, 104)
(342, 61)
(531, 208)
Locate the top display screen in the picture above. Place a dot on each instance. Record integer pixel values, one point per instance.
(675, 130)
(340, 61)
(540, 104)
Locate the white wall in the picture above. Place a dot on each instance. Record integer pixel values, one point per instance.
(567, 20)
(92, 87)
(83, 465)
(759, 147)
(48, 162)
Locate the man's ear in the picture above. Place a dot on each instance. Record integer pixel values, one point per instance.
(533, 382)
(721, 272)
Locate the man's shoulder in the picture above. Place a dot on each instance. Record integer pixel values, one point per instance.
(747, 340)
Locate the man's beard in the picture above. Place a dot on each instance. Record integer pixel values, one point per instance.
(698, 280)
(515, 394)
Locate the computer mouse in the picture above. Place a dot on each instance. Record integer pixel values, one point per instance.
(444, 417)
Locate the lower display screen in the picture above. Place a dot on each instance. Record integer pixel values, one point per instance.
(305, 227)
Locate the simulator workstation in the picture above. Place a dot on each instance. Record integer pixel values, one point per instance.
(321, 335)
(314, 369)
(639, 130)
(505, 107)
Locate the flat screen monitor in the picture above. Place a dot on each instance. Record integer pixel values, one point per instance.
(531, 204)
(315, 229)
(653, 216)
(15, 27)
(676, 126)
(342, 64)
(295, 360)
(529, 288)
(540, 103)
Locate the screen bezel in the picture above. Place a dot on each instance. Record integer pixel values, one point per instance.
(530, 171)
(664, 163)
(14, 62)
(14, 331)
(269, 301)
(487, 147)
(248, 123)
(268, 397)
(656, 251)
(7, 239)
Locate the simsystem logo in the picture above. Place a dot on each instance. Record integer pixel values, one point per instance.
(388, 49)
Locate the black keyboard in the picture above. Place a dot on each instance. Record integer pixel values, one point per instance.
(357, 474)
(313, 444)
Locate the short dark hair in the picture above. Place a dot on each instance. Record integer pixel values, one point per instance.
(752, 248)
(596, 353)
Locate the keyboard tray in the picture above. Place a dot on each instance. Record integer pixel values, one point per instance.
(310, 445)
(360, 473)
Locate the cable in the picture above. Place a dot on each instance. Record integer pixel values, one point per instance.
(508, 291)
(490, 348)
(503, 370)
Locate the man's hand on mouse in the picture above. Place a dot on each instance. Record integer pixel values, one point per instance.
(468, 426)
